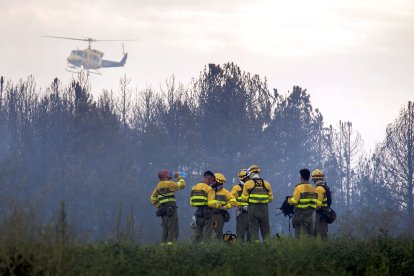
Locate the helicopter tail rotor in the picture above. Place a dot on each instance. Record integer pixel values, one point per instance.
(123, 61)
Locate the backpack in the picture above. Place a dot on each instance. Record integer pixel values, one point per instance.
(328, 194)
(286, 208)
(328, 216)
(230, 237)
(331, 216)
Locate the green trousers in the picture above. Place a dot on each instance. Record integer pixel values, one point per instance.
(204, 229)
(258, 216)
(321, 226)
(170, 227)
(303, 222)
(218, 220)
(242, 227)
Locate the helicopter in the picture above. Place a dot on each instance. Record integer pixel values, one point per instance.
(91, 59)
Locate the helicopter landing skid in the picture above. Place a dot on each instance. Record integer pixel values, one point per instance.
(96, 72)
(73, 70)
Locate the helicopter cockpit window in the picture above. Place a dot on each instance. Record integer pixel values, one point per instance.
(77, 53)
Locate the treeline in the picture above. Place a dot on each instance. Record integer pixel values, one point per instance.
(101, 156)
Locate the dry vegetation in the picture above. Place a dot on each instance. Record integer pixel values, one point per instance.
(31, 248)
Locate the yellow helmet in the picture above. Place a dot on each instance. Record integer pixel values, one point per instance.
(253, 169)
(317, 174)
(242, 174)
(220, 178)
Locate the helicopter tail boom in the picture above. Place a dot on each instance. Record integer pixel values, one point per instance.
(110, 63)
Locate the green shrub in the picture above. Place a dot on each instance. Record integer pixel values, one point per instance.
(381, 256)
(27, 248)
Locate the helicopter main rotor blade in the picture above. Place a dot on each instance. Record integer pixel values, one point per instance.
(88, 39)
(61, 37)
(120, 40)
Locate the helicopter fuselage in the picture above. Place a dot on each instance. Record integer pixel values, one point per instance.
(92, 59)
(88, 58)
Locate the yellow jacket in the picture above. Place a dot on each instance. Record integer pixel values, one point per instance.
(226, 199)
(237, 192)
(203, 195)
(304, 197)
(256, 191)
(322, 198)
(165, 191)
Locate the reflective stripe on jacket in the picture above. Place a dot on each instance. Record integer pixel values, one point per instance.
(226, 199)
(322, 198)
(257, 191)
(304, 197)
(237, 192)
(203, 195)
(164, 192)
(165, 195)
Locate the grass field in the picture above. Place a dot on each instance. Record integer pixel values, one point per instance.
(380, 256)
(28, 247)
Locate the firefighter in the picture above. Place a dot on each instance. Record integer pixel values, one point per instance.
(258, 193)
(242, 220)
(304, 200)
(226, 199)
(203, 198)
(163, 197)
(321, 226)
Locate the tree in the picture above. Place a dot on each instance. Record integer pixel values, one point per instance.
(347, 147)
(397, 159)
(294, 139)
(99, 155)
(124, 103)
(233, 108)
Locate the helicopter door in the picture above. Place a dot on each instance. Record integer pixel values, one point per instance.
(97, 61)
(85, 57)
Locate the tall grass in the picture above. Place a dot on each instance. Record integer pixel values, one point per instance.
(382, 256)
(28, 248)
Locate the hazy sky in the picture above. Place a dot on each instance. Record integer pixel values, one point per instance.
(355, 57)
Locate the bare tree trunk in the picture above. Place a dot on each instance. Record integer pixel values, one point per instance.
(348, 146)
(341, 159)
(348, 130)
(410, 145)
(1, 91)
(125, 99)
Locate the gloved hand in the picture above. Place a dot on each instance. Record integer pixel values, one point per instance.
(238, 211)
(193, 222)
(245, 208)
(214, 224)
